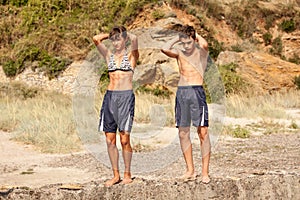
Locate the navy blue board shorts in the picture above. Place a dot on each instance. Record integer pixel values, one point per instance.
(190, 106)
(117, 111)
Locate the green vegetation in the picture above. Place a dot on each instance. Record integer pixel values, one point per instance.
(213, 84)
(237, 48)
(52, 66)
(276, 46)
(158, 14)
(238, 131)
(297, 82)
(215, 47)
(157, 91)
(54, 32)
(269, 21)
(288, 25)
(267, 37)
(232, 81)
(295, 59)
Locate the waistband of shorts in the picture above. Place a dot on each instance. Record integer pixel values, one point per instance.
(190, 86)
(119, 91)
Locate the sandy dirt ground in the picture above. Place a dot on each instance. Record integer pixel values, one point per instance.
(232, 158)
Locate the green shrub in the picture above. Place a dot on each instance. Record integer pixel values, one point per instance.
(11, 68)
(232, 81)
(237, 48)
(267, 37)
(236, 20)
(191, 10)
(288, 25)
(17, 3)
(215, 47)
(51, 65)
(157, 91)
(238, 131)
(295, 59)
(269, 22)
(158, 14)
(276, 46)
(297, 82)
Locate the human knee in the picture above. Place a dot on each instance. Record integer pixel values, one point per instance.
(110, 142)
(202, 132)
(184, 135)
(125, 140)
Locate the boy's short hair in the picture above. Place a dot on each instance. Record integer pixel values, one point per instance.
(187, 31)
(116, 32)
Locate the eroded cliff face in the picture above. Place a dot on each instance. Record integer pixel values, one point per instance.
(265, 72)
(256, 187)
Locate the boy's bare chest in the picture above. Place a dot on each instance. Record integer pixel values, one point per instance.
(190, 61)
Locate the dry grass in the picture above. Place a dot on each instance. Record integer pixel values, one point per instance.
(265, 106)
(45, 121)
(148, 107)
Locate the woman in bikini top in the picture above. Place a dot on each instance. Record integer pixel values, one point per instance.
(124, 66)
(119, 61)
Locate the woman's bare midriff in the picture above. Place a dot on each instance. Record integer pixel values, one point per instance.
(120, 80)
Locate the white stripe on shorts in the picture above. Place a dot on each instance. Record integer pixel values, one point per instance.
(202, 119)
(127, 123)
(101, 126)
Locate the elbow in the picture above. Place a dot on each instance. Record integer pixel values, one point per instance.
(95, 40)
(205, 46)
(163, 50)
(133, 38)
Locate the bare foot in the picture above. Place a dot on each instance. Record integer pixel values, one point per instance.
(188, 176)
(112, 181)
(126, 181)
(205, 179)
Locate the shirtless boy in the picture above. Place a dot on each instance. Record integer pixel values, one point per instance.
(190, 97)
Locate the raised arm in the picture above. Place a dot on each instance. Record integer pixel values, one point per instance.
(134, 48)
(100, 46)
(168, 48)
(202, 42)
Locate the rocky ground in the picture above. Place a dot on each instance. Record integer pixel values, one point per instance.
(259, 167)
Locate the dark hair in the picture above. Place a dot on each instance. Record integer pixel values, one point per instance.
(187, 31)
(117, 31)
